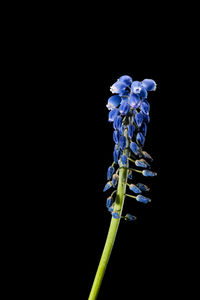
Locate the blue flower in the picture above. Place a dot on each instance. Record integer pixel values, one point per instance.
(149, 84)
(115, 215)
(134, 189)
(145, 107)
(117, 123)
(126, 79)
(122, 142)
(148, 173)
(134, 147)
(116, 155)
(147, 155)
(113, 102)
(139, 119)
(143, 128)
(129, 217)
(124, 159)
(115, 180)
(143, 93)
(134, 101)
(143, 187)
(141, 163)
(118, 87)
(136, 87)
(109, 202)
(140, 138)
(107, 186)
(143, 199)
(110, 172)
(131, 129)
(110, 209)
(124, 108)
(130, 174)
(113, 114)
(116, 136)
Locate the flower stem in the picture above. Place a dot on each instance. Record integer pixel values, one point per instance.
(118, 206)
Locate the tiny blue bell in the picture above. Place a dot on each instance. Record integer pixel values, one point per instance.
(134, 189)
(143, 93)
(124, 159)
(117, 123)
(113, 114)
(143, 199)
(145, 107)
(148, 173)
(116, 136)
(143, 187)
(147, 155)
(113, 102)
(116, 155)
(131, 129)
(140, 138)
(107, 186)
(124, 108)
(134, 147)
(118, 87)
(110, 209)
(126, 79)
(141, 163)
(134, 101)
(130, 174)
(136, 87)
(122, 142)
(115, 180)
(139, 119)
(149, 84)
(110, 172)
(109, 202)
(143, 128)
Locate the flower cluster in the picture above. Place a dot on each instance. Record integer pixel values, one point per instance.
(129, 113)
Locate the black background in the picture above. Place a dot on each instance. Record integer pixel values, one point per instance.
(71, 148)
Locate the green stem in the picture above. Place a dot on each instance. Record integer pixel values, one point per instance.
(118, 206)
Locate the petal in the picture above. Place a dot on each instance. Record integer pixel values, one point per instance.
(124, 108)
(129, 217)
(149, 84)
(143, 187)
(148, 173)
(136, 87)
(126, 79)
(122, 142)
(139, 119)
(131, 129)
(145, 107)
(140, 138)
(116, 136)
(113, 114)
(115, 215)
(134, 189)
(134, 101)
(117, 123)
(107, 186)
(113, 101)
(124, 159)
(143, 199)
(110, 172)
(118, 87)
(143, 93)
(134, 147)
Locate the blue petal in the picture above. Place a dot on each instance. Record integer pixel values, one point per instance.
(118, 87)
(110, 172)
(115, 180)
(149, 84)
(134, 101)
(115, 215)
(143, 128)
(143, 187)
(136, 87)
(124, 159)
(131, 129)
(121, 130)
(145, 107)
(143, 93)
(140, 138)
(107, 186)
(122, 142)
(139, 119)
(130, 174)
(148, 173)
(117, 123)
(143, 199)
(113, 114)
(129, 217)
(126, 79)
(113, 101)
(140, 163)
(134, 147)
(116, 136)
(116, 155)
(109, 202)
(135, 189)
(124, 108)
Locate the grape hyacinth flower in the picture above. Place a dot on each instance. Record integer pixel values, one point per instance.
(129, 112)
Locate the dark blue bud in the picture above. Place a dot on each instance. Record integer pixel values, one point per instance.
(149, 84)
(124, 159)
(134, 147)
(147, 155)
(143, 187)
(145, 107)
(126, 79)
(141, 163)
(122, 142)
(140, 138)
(131, 129)
(143, 93)
(124, 94)
(129, 217)
(118, 87)
(121, 130)
(113, 102)
(143, 199)
(110, 209)
(134, 189)
(134, 101)
(107, 186)
(117, 122)
(115, 215)
(148, 173)
(146, 118)
(115, 180)
(143, 128)
(139, 119)
(109, 202)
(136, 87)
(116, 136)
(110, 172)
(113, 114)
(124, 108)
(116, 155)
